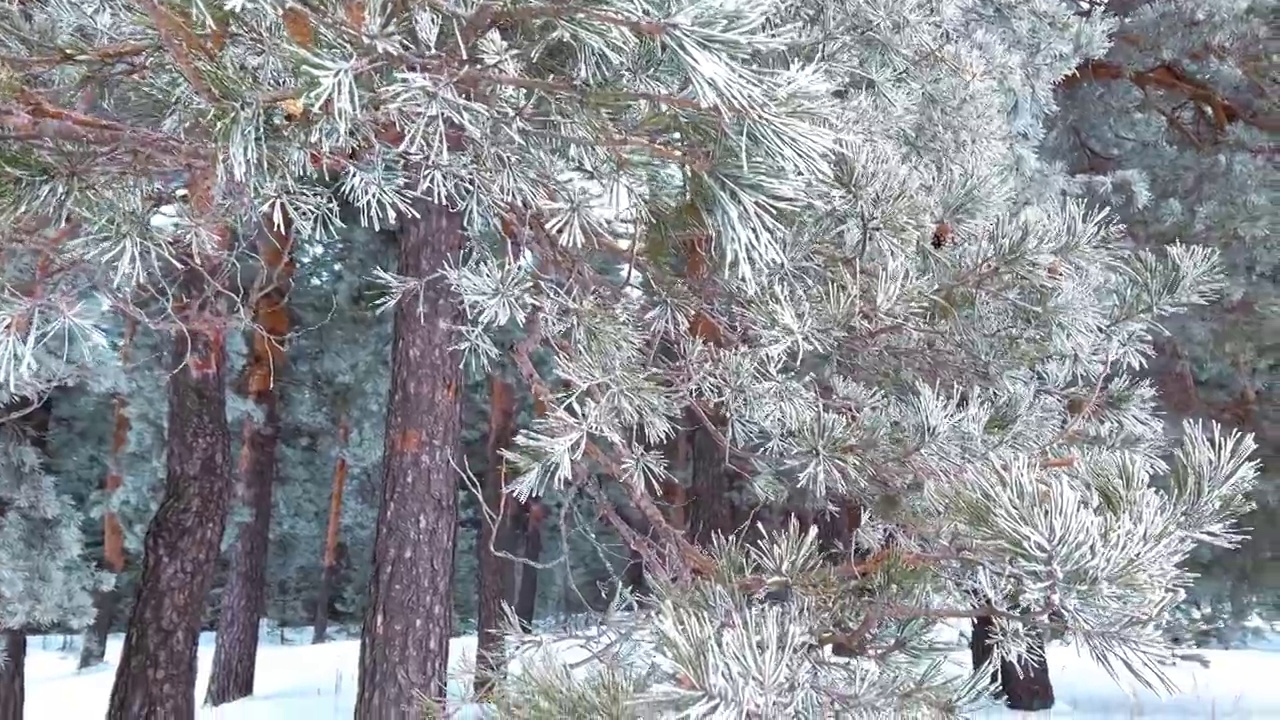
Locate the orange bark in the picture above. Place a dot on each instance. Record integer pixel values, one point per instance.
(701, 325)
(269, 311)
(674, 494)
(112, 531)
(335, 497)
(676, 498)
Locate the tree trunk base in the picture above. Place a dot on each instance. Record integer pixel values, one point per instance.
(13, 674)
(321, 632)
(93, 648)
(1024, 686)
(156, 676)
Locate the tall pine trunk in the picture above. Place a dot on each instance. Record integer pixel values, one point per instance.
(532, 516)
(235, 654)
(157, 673)
(329, 562)
(107, 602)
(156, 677)
(495, 571)
(404, 646)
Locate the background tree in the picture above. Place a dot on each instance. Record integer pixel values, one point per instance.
(235, 655)
(1173, 128)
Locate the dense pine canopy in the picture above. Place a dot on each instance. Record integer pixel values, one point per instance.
(768, 335)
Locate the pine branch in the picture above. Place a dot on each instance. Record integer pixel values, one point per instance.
(1171, 78)
(182, 45)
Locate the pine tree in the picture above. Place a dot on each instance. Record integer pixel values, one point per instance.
(1173, 128)
(156, 673)
(235, 654)
(941, 340)
(42, 578)
(106, 602)
(899, 313)
(50, 338)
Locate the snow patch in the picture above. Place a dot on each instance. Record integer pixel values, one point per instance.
(299, 680)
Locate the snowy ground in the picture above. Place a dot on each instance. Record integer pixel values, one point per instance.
(297, 680)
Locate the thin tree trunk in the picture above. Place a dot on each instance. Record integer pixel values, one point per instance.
(526, 603)
(107, 602)
(93, 646)
(236, 651)
(156, 677)
(494, 569)
(13, 674)
(330, 560)
(236, 643)
(404, 646)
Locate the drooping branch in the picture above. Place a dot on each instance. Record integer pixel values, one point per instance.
(693, 558)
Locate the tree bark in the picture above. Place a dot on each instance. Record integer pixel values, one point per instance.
(405, 641)
(93, 646)
(330, 561)
(156, 676)
(13, 674)
(236, 650)
(675, 494)
(236, 645)
(526, 603)
(494, 569)
(107, 602)
(711, 507)
(1024, 685)
(634, 577)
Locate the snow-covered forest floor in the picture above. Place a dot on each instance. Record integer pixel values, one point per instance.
(299, 680)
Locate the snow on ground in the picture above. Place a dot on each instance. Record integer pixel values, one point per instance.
(298, 680)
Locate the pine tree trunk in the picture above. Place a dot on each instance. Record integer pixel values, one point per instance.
(836, 532)
(633, 575)
(156, 676)
(93, 646)
(711, 507)
(526, 603)
(494, 570)
(330, 561)
(236, 652)
(1025, 685)
(404, 646)
(106, 603)
(236, 646)
(13, 674)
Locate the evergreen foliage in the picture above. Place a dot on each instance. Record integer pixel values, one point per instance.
(1174, 128)
(864, 250)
